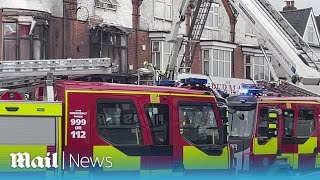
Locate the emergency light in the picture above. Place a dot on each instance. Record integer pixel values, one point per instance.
(166, 83)
(250, 89)
(194, 81)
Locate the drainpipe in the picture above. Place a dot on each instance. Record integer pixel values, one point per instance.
(233, 21)
(137, 4)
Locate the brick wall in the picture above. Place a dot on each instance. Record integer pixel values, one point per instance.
(137, 39)
(196, 67)
(55, 39)
(80, 43)
(238, 63)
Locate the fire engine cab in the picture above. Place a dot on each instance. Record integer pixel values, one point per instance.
(274, 133)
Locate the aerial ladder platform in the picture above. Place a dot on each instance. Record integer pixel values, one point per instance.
(200, 12)
(296, 61)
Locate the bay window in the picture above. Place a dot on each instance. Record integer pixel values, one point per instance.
(161, 52)
(256, 68)
(217, 62)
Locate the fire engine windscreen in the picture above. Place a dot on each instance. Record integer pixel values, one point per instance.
(198, 124)
(241, 122)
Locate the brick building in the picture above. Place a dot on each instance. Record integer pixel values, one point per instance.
(131, 32)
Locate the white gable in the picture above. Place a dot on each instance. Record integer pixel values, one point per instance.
(311, 33)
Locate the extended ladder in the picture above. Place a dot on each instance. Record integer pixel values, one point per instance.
(194, 34)
(307, 54)
(28, 72)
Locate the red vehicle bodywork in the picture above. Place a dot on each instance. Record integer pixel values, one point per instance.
(80, 101)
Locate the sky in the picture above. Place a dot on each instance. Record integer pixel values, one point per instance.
(315, 4)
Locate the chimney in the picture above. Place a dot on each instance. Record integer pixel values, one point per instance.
(289, 5)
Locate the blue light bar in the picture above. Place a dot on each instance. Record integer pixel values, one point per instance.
(194, 81)
(166, 83)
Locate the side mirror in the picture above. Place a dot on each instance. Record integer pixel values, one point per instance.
(273, 117)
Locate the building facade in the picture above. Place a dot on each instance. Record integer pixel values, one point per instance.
(45, 29)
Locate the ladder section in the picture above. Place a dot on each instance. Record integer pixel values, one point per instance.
(307, 55)
(287, 89)
(271, 35)
(194, 34)
(31, 72)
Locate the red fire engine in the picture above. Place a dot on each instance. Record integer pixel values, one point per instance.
(274, 133)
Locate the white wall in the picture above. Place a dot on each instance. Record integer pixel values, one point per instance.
(149, 23)
(241, 37)
(223, 33)
(121, 17)
(55, 7)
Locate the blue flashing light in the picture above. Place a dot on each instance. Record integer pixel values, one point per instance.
(194, 81)
(250, 89)
(166, 83)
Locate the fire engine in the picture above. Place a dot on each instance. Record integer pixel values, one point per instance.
(268, 132)
(105, 127)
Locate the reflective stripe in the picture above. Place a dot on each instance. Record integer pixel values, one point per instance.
(30, 109)
(272, 126)
(270, 147)
(139, 93)
(120, 161)
(194, 158)
(273, 115)
(309, 146)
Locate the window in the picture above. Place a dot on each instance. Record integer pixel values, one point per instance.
(156, 54)
(310, 33)
(206, 61)
(198, 123)
(263, 122)
(118, 122)
(213, 17)
(163, 9)
(221, 62)
(249, 30)
(19, 44)
(288, 121)
(305, 122)
(158, 116)
(111, 43)
(256, 68)
(161, 52)
(107, 4)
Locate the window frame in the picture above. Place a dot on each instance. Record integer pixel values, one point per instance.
(43, 38)
(167, 131)
(212, 62)
(210, 104)
(166, 11)
(253, 62)
(215, 15)
(113, 101)
(107, 4)
(314, 121)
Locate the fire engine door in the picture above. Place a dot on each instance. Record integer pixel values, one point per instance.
(287, 147)
(267, 139)
(158, 114)
(305, 136)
